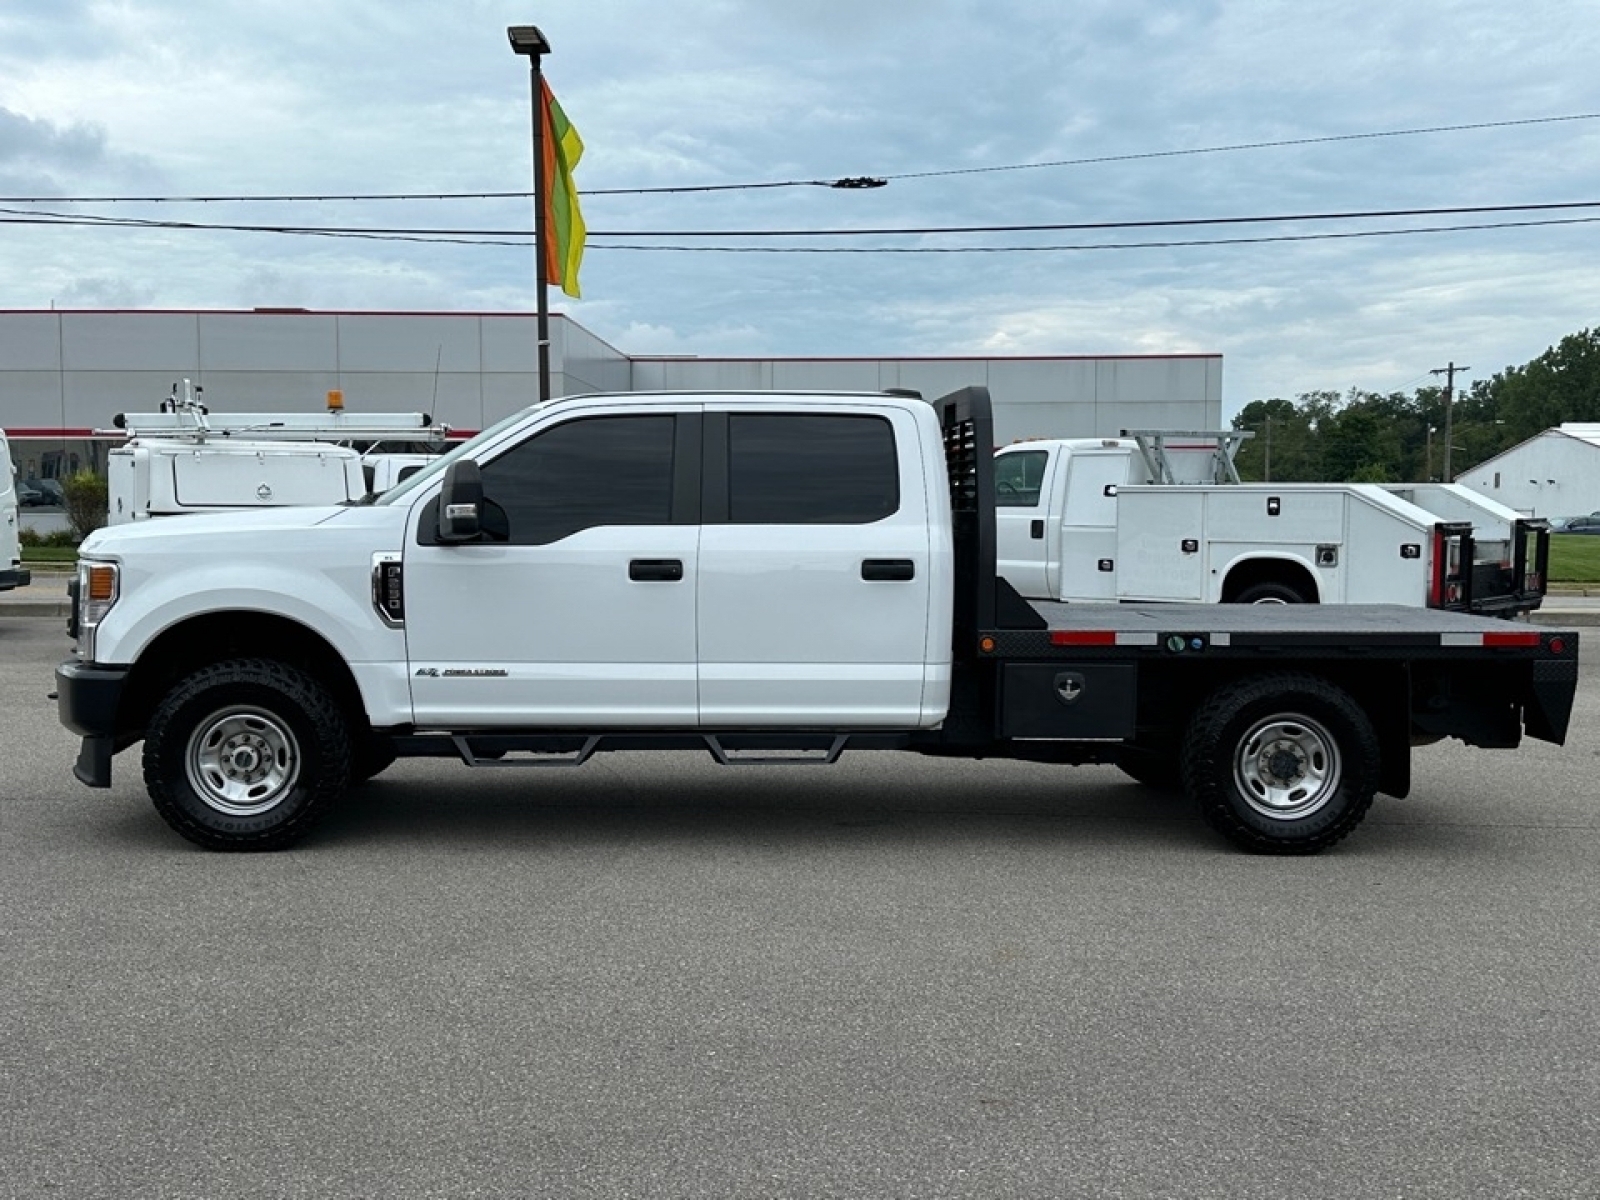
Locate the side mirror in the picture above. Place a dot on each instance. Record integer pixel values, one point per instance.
(460, 502)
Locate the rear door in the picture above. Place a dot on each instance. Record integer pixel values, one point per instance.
(815, 565)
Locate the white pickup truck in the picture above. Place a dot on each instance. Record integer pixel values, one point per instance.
(763, 576)
(12, 573)
(1162, 516)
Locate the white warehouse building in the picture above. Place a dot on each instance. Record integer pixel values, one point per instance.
(1556, 474)
(65, 374)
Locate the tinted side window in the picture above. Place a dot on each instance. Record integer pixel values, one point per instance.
(1018, 477)
(588, 472)
(811, 469)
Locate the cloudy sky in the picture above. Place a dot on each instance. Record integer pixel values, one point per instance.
(978, 115)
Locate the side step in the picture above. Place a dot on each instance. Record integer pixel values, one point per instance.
(729, 749)
(763, 756)
(501, 757)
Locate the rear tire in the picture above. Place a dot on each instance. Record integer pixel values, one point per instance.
(1273, 593)
(1282, 764)
(246, 755)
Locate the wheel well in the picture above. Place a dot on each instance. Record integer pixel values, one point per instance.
(1169, 695)
(1269, 570)
(199, 641)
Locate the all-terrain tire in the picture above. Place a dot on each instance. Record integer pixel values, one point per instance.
(1284, 763)
(246, 755)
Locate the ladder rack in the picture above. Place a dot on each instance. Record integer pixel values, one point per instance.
(186, 418)
(1221, 445)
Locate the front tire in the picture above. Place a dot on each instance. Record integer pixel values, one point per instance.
(1282, 764)
(246, 755)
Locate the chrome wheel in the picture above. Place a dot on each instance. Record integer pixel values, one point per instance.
(1287, 767)
(242, 761)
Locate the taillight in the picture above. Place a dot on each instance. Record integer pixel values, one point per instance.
(1444, 588)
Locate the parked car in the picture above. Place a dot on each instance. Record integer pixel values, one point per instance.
(1578, 525)
(50, 491)
(29, 496)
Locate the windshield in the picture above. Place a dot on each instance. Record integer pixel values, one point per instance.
(465, 450)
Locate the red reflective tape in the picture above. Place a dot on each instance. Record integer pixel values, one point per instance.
(1529, 638)
(1083, 637)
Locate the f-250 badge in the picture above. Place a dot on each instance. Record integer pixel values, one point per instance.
(462, 672)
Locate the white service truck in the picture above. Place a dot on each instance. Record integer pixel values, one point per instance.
(1161, 516)
(185, 459)
(768, 577)
(383, 470)
(12, 573)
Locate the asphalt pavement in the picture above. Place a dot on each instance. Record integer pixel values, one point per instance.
(893, 977)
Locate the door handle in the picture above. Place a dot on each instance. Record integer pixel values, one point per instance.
(663, 570)
(895, 570)
(1036, 530)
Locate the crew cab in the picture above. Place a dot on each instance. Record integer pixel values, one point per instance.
(765, 576)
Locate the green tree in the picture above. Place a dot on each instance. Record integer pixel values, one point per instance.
(1562, 384)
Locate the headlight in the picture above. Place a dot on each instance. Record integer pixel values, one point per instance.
(99, 584)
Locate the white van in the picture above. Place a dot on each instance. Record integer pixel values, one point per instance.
(12, 574)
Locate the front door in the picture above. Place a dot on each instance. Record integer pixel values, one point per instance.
(1021, 514)
(578, 608)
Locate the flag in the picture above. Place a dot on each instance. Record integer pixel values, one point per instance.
(560, 217)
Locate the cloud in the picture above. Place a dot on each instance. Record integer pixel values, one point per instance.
(342, 96)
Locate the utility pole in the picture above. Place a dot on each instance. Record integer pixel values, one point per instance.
(1449, 373)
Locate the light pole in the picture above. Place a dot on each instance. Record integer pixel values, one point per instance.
(528, 41)
(1432, 429)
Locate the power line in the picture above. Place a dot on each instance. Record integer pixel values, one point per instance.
(21, 217)
(846, 183)
(1245, 241)
(523, 239)
(1309, 141)
(1084, 226)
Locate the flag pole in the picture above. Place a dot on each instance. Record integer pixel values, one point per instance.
(527, 40)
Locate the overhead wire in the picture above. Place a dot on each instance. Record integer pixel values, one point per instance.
(31, 217)
(846, 182)
(1155, 245)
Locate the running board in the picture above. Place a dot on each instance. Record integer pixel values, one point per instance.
(762, 756)
(573, 750)
(576, 758)
(728, 748)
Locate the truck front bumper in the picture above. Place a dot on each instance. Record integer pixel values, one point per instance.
(15, 577)
(87, 699)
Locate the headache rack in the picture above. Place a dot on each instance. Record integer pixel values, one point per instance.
(983, 600)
